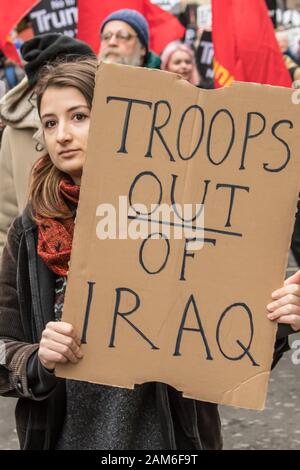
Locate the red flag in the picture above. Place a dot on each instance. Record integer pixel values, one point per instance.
(164, 27)
(245, 45)
(11, 12)
(10, 51)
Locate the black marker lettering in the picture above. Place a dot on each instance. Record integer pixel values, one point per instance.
(157, 128)
(199, 330)
(288, 151)
(142, 249)
(87, 312)
(248, 134)
(192, 152)
(208, 148)
(129, 102)
(123, 315)
(246, 350)
(133, 184)
(173, 202)
(232, 187)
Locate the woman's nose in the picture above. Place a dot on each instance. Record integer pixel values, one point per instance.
(63, 133)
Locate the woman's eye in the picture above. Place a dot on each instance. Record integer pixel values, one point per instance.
(49, 124)
(80, 116)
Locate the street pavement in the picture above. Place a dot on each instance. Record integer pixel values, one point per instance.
(8, 435)
(278, 426)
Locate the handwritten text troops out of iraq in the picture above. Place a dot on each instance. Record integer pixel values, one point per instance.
(155, 309)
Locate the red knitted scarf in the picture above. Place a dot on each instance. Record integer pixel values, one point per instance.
(55, 236)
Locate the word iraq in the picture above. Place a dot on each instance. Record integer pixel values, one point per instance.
(207, 132)
(191, 313)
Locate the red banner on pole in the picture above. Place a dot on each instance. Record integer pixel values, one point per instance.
(10, 51)
(11, 12)
(164, 27)
(245, 45)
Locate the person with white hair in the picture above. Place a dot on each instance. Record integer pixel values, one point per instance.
(125, 40)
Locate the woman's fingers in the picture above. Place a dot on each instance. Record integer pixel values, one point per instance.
(293, 320)
(50, 358)
(294, 279)
(64, 328)
(285, 300)
(61, 349)
(288, 289)
(59, 344)
(289, 309)
(64, 340)
(285, 307)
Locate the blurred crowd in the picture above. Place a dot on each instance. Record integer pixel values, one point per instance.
(291, 57)
(180, 57)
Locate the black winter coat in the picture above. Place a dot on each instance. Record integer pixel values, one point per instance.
(26, 306)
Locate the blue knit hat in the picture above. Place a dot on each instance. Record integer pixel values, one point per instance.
(135, 19)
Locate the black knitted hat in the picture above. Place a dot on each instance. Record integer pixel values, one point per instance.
(48, 47)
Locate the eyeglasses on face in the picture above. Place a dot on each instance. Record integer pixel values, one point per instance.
(121, 36)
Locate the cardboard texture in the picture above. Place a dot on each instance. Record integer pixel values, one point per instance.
(199, 323)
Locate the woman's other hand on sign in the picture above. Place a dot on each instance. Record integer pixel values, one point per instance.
(59, 344)
(285, 307)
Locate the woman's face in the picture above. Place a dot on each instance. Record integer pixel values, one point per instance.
(181, 63)
(65, 117)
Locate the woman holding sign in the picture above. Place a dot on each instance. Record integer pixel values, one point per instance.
(53, 413)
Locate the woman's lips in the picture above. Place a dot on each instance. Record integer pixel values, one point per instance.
(68, 153)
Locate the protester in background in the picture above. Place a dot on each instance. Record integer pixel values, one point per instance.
(66, 414)
(204, 57)
(179, 58)
(284, 44)
(125, 40)
(294, 70)
(297, 53)
(22, 144)
(10, 72)
(289, 58)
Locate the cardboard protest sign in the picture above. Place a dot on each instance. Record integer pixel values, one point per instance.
(190, 314)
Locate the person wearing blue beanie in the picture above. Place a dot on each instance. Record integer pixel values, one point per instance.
(125, 40)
